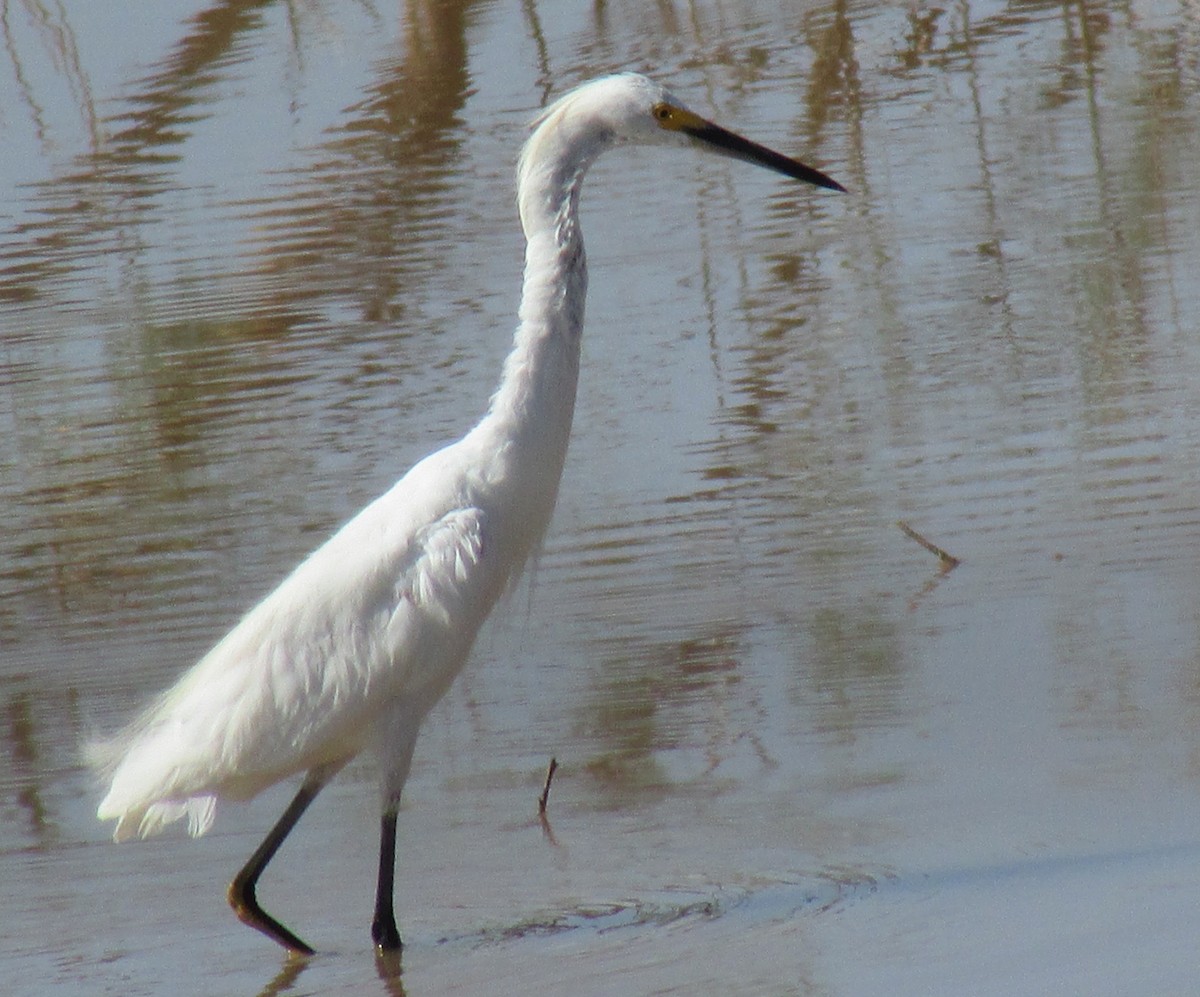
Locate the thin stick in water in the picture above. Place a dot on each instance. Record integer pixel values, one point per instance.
(546, 788)
(949, 561)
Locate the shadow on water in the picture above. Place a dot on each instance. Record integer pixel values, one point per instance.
(387, 967)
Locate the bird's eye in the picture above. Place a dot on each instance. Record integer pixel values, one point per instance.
(662, 112)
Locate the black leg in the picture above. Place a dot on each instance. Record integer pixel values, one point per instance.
(241, 890)
(383, 928)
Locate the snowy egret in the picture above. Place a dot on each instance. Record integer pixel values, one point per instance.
(357, 644)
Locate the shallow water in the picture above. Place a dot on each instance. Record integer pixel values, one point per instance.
(255, 259)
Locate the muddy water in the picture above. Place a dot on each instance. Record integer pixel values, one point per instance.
(257, 258)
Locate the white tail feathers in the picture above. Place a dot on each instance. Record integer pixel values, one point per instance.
(145, 821)
(139, 797)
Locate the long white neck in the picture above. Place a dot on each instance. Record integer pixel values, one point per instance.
(537, 389)
(536, 398)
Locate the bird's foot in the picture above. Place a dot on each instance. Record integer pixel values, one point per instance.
(385, 934)
(245, 905)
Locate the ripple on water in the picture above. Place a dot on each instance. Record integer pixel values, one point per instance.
(734, 907)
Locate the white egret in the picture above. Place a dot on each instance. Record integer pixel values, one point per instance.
(357, 644)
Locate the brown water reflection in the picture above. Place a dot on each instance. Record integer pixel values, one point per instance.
(255, 258)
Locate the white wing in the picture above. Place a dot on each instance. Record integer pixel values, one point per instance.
(382, 610)
(450, 554)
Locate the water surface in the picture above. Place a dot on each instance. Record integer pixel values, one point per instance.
(257, 258)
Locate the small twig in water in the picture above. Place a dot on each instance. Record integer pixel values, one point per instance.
(546, 788)
(948, 560)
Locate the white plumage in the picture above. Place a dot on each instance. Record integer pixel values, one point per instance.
(357, 644)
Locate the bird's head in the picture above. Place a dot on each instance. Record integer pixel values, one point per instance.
(630, 109)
